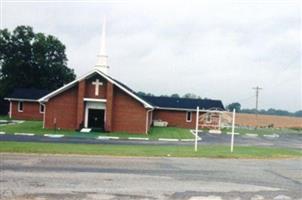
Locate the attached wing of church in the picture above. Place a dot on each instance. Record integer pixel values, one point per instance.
(98, 101)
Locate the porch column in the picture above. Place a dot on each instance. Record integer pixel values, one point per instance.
(109, 107)
(80, 104)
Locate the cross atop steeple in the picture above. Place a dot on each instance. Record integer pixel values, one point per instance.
(102, 57)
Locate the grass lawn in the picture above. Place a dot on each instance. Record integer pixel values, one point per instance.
(155, 132)
(4, 117)
(148, 150)
(30, 127)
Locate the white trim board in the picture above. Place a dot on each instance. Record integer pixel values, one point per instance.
(95, 100)
(25, 100)
(89, 74)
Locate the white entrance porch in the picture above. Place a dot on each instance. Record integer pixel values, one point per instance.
(94, 104)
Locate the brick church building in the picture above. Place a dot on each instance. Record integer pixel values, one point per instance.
(96, 100)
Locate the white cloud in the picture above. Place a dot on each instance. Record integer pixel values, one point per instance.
(214, 49)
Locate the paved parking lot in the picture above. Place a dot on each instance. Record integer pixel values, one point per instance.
(284, 140)
(40, 177)
(281, 140)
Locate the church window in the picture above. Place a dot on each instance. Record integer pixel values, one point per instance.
(189, 117)
(42, 108)
(20, 106)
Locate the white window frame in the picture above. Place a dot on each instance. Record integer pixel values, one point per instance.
(208, 116)
(19, 103)
(187, 114)
(42, 106)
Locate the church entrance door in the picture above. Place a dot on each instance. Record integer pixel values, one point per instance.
(96, 119)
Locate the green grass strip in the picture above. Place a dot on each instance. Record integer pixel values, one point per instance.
(148, 150)
(155, 132)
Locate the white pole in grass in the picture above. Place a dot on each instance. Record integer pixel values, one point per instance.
(233, 129)
(196, 128)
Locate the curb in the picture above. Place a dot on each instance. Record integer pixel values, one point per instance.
(54, 135)
(107, 138)
(193, 133)
(230, 133)
(272, 136)
(25, 134)
(137, 138)
(187, 140)
(168, 139)
(251, 135)
(112, 137)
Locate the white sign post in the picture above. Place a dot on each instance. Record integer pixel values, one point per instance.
(233, 129)
(196, 128)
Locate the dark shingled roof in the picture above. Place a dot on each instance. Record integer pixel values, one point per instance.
(178, 103)
(184, 103)
(27, 93)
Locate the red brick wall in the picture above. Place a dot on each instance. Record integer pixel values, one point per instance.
(31, 111)
(150, 119)
(109, 107)
(129, 115)
(63, 108)
(90, 89)
(178, 119)
(80, 104)
(175, 118)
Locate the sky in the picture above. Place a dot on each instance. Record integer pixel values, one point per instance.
(214, 49)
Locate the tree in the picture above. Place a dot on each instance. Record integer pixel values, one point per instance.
(140, 93)
(29, 59)
(233, 106)
(190, 96)
(298, 113)
(175, 95)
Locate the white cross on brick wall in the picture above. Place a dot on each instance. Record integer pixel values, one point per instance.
(97, 84)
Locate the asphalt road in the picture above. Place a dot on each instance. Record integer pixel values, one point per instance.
(284, 140)
(41, 177)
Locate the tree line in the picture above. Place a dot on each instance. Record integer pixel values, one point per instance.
(175, 95)
(270, 111)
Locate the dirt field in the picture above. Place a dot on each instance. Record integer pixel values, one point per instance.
(243, 119)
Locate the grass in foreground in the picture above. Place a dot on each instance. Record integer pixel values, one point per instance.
(148, 151)
(155, 132)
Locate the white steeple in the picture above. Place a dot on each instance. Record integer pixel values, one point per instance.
(102, 56)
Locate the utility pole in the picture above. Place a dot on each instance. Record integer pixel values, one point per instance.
(257, 96)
